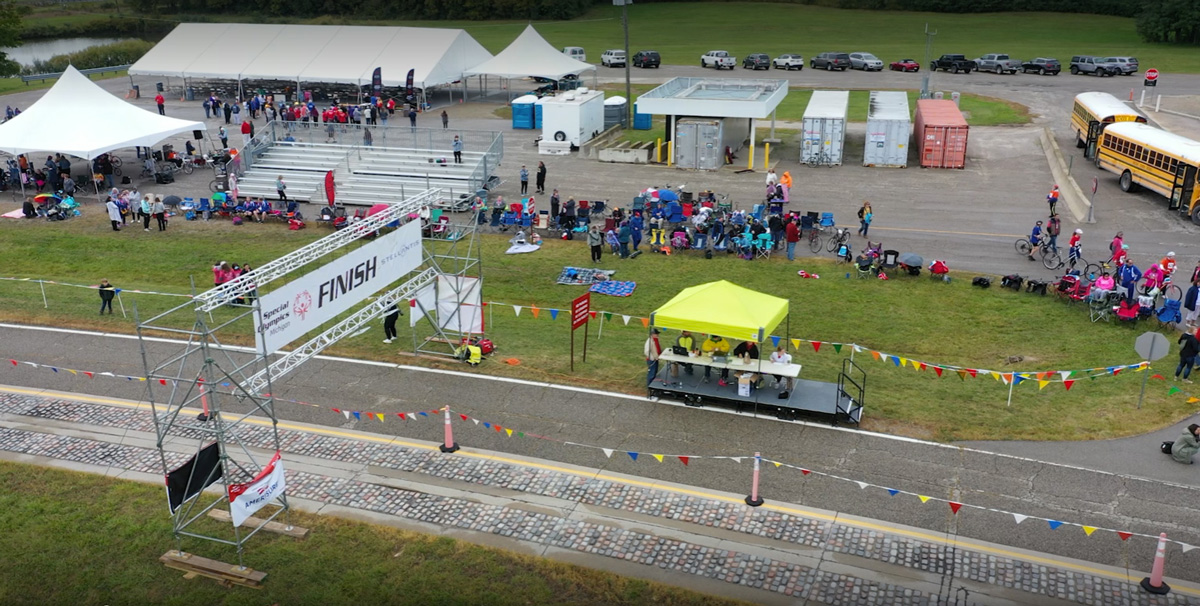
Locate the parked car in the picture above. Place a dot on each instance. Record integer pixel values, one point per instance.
(719, 59)
(789, 61)
(1042, 66)
(830, 61)
(998, 63)
(1127, 65)
(866, 62)
(953, 64)
(646, 58)
(905, 65)
(756, 61)
(575, 52)
(613, 58)
(1096, 66)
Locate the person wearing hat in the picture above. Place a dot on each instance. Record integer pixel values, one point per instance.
(1074, 248)
(1168, 266)
(652, 349)
(1035, 239)
(1052, 199)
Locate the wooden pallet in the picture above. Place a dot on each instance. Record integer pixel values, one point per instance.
(225, 574)
(295, 532)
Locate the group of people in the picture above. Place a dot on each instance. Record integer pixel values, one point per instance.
(55, 173)
(224, 272)
(123, 204)
(714, 348)
(374, 111)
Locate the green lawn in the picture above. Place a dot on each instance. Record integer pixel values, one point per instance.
(74, 538)
(930, 321)
(16, 85)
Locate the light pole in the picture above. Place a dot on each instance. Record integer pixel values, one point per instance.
(624, 4)
(928, 60)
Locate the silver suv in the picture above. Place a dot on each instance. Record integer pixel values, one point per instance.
(1127, 65)
(1096, 66)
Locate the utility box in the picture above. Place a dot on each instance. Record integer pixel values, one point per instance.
(940, 134)
(700, 143)
(888, 129)
(574, 117)
(824, 128)
(522, 112)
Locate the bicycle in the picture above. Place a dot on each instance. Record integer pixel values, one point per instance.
(819, 158)
(840, 236)
(814, 238)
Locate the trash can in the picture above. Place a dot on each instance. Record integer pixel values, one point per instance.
(190, 93)
(137, 92)
(158, 86)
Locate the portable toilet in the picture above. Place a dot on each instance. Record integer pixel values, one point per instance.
(887, 130)
(824, 127)
(940, 134)
(614, 112)
(522, 112)
(537, 112)
(642, 121)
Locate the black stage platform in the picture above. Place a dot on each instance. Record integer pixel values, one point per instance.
(806, 396)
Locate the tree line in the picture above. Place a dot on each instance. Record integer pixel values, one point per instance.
(467, 10)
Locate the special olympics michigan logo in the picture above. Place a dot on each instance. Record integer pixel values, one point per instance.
(302, 304)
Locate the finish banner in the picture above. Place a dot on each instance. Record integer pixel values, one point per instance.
(304, 304)
(246, 499)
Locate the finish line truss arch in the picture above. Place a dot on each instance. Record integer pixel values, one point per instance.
(231, 384)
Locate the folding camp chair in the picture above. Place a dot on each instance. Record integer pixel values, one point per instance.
(889, 261)
(757, 211)
(205, 209)
(763, 246)
(827, 220)
(1099, 308)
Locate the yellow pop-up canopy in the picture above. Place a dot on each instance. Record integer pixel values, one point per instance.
(722, 308)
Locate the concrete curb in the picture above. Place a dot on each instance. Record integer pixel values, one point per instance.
(1071, 194)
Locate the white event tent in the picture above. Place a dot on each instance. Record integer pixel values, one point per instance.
(79, 118)
(334, 54)
(530, 55)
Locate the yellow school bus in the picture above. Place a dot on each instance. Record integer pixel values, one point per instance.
(1162, 162)
(1095, 111)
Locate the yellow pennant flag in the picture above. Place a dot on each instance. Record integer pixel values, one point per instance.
(924, 499)
(380, 416)
(903, 361)
(1042, 385)
(1089, 530)
(777, 463)
(995, 375)
(509, 431)
(1193, 400)
(918, 366)
(71, 371)
(659, 457)
(795, 343)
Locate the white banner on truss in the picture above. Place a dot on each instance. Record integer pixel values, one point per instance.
(460, 304)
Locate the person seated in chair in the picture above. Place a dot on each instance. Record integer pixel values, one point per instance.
(685, 344)
(714, 346)
(747, 354)
(781, 356)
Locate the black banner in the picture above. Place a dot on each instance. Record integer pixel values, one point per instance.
(408, 84)
(198, 473)
(377, 81)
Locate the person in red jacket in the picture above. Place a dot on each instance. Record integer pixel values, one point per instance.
(160, 101)
(246, 133)
(792, 235)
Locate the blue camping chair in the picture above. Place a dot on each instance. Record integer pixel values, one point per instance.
(757, 212)
(526, 219)
(827, 220)
(763, 245)
(1169, 313)
(674, 212)
(700, 241)
(205, 209)
(509, 218)
(806, 223)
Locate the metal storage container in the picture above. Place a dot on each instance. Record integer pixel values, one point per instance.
(614, 112)
(940, 134)
(642, 121)
(887, 130)
(824, 127)
(522, 111)
(700, 142)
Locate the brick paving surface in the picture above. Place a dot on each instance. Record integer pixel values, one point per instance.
(587, 537)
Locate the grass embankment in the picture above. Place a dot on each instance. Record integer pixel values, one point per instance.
(917, 318)
(54, 551)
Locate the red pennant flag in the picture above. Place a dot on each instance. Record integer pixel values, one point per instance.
(498, 428)
(972, 372)
(1068, 383)
(14, 362)
(805, 471)
(592, 314)
(162, 381)
(89, 374)
(464, 417)
(1124, 535)
(401, 416)
(816, 346)
(955, 506)
(938, 370)
(336, 410)
(922, 366)
(1117, 371)
(684, 460)
(1159, 377)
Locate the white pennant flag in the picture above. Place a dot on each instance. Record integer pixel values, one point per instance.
(1066, 374)
(476, 420)
(607, 452)
(862, 485)
(626, 319)
(1019, 518)
(517, 308)
(347, 414)
(35, 365)
(1186, 547)
(738, 459)
(105, 374)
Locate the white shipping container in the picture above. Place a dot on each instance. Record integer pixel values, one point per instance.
(574, 116)
(700, 143)
(888, 129)
(824, 127)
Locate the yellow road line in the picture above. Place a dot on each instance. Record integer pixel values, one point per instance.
(881, 527)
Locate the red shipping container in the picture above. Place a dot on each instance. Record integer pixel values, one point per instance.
(940, 134)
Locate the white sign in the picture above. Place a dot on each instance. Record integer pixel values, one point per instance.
(304, 304)
(246, 499)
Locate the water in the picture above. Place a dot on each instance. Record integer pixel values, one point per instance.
(44, 49)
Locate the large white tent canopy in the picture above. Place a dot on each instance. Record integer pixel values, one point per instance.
(338, 54)
(530, 55)
(79, 118)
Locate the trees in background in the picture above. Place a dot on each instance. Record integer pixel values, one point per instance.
(10, 35)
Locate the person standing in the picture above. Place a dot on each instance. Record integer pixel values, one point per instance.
(1190, 304)
(114, 214)
(445, 120)
(281, 188)
(223, 135)
(207, 109)
(635, 230)
(865, 215)
(1053, 227)
(1186, 445)
(1128, 277)
(541, 178)
(792, 235)
(227, 107)
(158, 99)
(555, 207)
(247, 133)
(367, 137)
(624, 237)
(595, 241)
(107, 293)
(160, 213)
(1187, 355)
(652, 350)
(568, 213)
(412, 118)
(456, 146)
(1052, 200)
(389, 323)
(145, 209)
(524, 180)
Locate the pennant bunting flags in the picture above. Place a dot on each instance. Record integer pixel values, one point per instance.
(657, 456)
(1088, 530)
(633, 455)
(607, 452)
(1019, 518)
(684, 460)
(954, 507)
(1054, 524)
(553, 314)
(924, 499)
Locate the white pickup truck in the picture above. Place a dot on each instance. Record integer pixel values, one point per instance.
(997, 62)
(719, 59)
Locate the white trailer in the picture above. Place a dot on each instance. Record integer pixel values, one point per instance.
(888, 129)
(573, 117)
(824, 128)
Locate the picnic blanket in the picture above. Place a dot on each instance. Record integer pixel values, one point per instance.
(584, 275)
(614, 288)
(517, 249)
(16, 214)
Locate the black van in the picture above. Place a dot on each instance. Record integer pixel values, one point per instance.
(646, 59)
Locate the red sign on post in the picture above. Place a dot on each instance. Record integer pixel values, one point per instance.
(1152, 74)
(581, 310)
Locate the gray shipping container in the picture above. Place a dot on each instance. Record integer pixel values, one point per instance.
(700, 142)
(888, 129)
(824, 128)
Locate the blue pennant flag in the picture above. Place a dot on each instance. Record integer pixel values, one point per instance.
(487, 425)
(1054, 524)
(893, 491)
(633, 455)
(553, 314)
(775, 340)
(356, 415)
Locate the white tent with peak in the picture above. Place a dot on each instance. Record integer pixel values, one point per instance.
(78, 118)
(530, 55)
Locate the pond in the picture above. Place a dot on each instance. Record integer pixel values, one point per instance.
(44, 49)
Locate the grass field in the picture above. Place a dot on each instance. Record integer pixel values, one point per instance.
(53, 551)
(916, 318)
